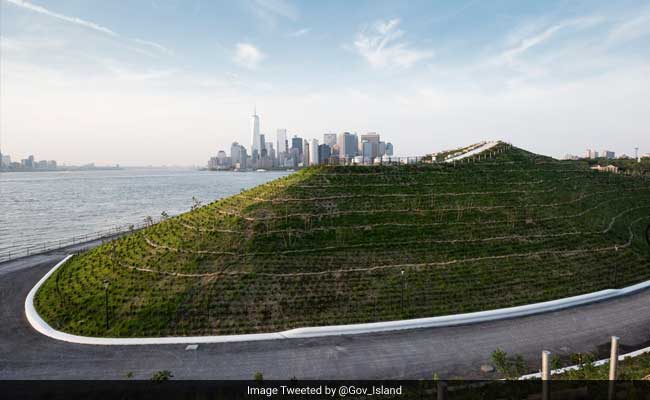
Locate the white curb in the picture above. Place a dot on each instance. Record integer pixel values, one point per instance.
(595, 364)
(335, 330)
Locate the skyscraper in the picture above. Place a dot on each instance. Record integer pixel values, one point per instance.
(256, 143)
(373, 139)
(313, 156)
(263, 151)
(324, 153)
(382, 149)
(348, 145)
(608, 154)
(366, 151)
(329, 139)
(305, 153)
(296, 143)
(389, 149)
(282, 141)
(235, 153)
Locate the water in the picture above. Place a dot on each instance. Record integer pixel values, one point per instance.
(51, 206)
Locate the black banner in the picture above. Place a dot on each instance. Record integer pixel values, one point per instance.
(318, 390)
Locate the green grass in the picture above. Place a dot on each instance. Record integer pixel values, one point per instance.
(629, 369)
(327, 245)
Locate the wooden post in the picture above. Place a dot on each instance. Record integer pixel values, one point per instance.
(546, 374)
(546, 371)
(613, 358)
(441, 392)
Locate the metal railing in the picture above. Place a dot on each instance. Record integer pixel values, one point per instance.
(427, 159)
(376, 161)
(52, 245)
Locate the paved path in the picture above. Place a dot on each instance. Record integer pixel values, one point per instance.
(451, 351)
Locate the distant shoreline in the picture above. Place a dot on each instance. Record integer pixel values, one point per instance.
(64, 169)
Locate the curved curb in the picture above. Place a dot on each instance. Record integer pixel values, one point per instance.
(334, 330)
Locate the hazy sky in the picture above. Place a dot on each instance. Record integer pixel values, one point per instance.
(172, 82)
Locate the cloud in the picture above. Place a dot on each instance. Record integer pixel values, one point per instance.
(13, 44)
(526, 43)
(121, 72)
(248, 56)
(300, 32)
(630, 30)
(271, 10)
(382, 47)
(86, 24)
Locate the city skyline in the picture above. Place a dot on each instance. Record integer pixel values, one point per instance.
(297, 152)
(168, 82)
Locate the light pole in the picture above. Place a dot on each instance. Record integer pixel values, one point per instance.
(402, 293)
(106, 284)
(615, 269)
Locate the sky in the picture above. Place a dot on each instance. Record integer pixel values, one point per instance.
(171, 82)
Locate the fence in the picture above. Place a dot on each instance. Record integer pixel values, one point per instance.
(428, 159)
(376, 161)
(78, 239)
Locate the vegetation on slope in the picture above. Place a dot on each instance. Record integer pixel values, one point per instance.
(327, 245)
(631, 368)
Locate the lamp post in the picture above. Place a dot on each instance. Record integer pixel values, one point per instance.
(402, 293)
(615, 268)
(106, 284)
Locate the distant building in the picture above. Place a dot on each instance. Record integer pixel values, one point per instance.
(263, 151)
(270, 151)
(243, 159)
(282, 145)
(221, 161)
(213, 163)
(608, 154)
(389, 149)
(348, 145)
(305, 153)
(256, 140)
(382, 149)
(366, 151)
(236, 153)
(5, 160)
(28, 163)
(324, 153)
(296, 143)
(329, 139)
(335, 151)
(224, 160)
(313, 155)
(571, 157)
(373, 139)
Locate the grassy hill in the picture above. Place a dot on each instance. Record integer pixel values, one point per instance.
(327, 245)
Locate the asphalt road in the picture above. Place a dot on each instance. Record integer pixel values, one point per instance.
(418, 354)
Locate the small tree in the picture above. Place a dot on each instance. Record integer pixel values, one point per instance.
(509, 367)
(196, 203)
(162, 376)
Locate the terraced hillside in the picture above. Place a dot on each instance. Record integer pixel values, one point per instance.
(328, 245)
